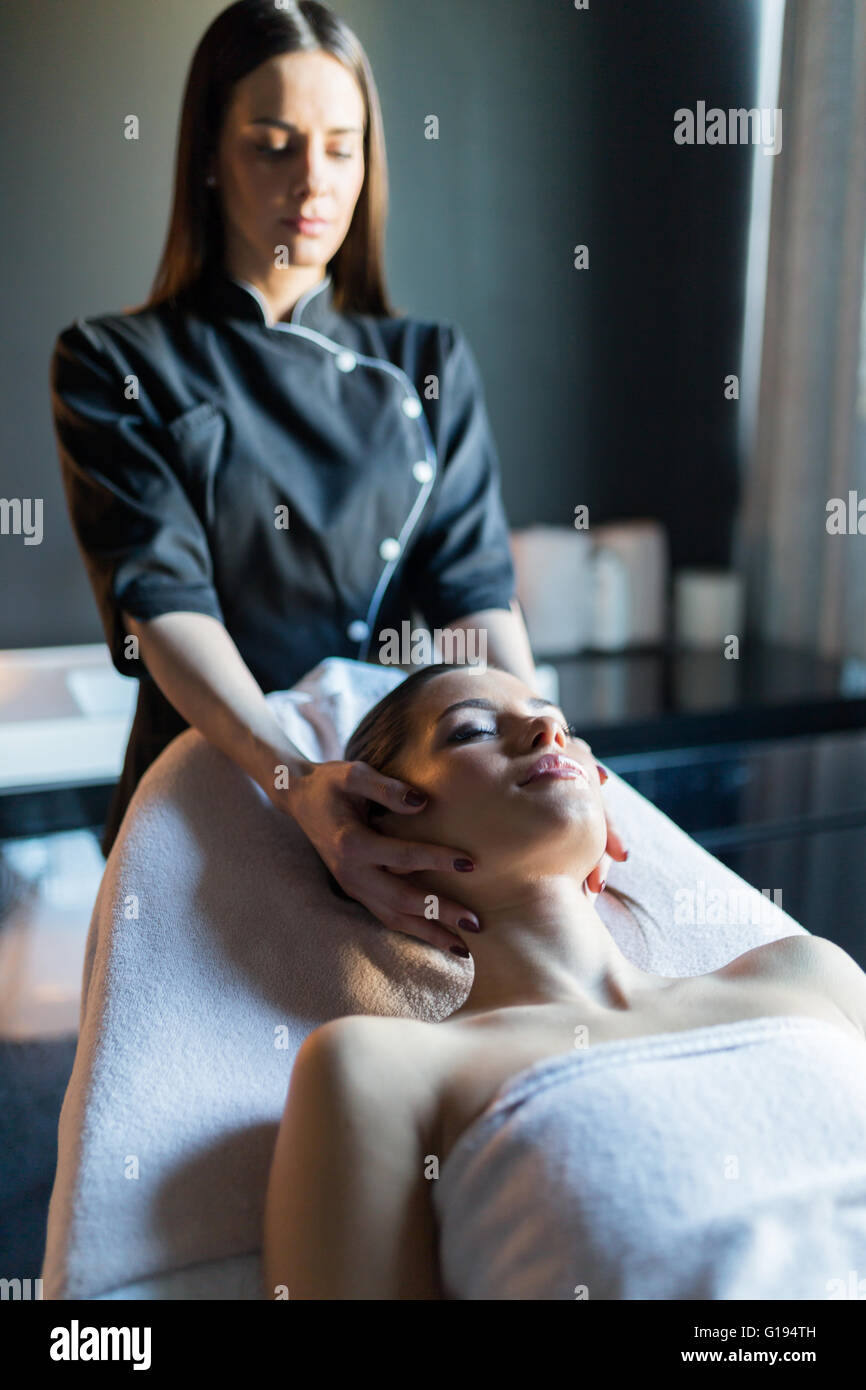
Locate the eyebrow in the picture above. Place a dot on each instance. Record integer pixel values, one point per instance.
(479, 703)
(287, 125)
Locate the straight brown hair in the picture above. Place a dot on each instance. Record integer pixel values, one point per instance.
(242, 37)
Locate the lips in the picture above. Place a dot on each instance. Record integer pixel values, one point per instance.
(554, 764)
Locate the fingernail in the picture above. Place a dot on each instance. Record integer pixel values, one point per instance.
(460, 951)
(414, 799)
(625, 855)
(469, 924)
(603, 882)
(464, 865)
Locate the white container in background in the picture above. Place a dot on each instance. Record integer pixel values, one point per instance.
(553, 571)
(708, 607)
(612, 606)
(631, 564)
(604, 588)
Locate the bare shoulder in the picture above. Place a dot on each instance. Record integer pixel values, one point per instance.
(830, 969)
(348, 1211)
(788, 959)
(374, 1062)
(360, 1035)
(808, 962)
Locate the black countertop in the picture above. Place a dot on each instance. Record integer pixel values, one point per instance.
(648, 700)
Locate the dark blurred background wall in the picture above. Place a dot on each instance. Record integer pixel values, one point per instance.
(556, 129)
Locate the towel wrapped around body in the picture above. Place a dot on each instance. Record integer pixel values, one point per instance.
(216, 946)
(723, 1162)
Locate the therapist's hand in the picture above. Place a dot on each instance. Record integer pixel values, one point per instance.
(614, 849)
(329, 802)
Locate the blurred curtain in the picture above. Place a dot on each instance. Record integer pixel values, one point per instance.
(805, 587)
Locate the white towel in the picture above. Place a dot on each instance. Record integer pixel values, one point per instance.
(215, 947)
(727, 1162)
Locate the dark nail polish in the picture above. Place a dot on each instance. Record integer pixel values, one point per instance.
(460, 951)
(464, 865)
(467, 924)
(414, 799)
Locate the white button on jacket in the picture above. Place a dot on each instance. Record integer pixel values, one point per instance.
(282, 477)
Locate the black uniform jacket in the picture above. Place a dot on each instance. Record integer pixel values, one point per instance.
(308, 482)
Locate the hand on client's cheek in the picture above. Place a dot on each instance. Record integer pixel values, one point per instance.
(594, 883)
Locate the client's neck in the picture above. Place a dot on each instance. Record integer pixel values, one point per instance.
(543, 941)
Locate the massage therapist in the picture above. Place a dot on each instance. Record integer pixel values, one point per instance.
(264, 464)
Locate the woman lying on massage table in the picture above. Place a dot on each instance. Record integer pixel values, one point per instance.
(579, 1127)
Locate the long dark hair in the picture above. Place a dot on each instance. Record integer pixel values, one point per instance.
(386, 729)
(239, 40)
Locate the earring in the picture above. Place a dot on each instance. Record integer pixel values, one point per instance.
(210, 181)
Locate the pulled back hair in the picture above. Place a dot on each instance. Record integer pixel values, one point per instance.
(386, 730)
(238, 40)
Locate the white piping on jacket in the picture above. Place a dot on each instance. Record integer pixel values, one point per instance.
(408, 385)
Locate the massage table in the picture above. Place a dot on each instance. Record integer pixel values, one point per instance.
(216, 945)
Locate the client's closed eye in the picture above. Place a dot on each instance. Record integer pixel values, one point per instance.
(467, 731)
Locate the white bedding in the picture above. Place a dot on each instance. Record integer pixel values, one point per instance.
(724, 1162)
(215, 946)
